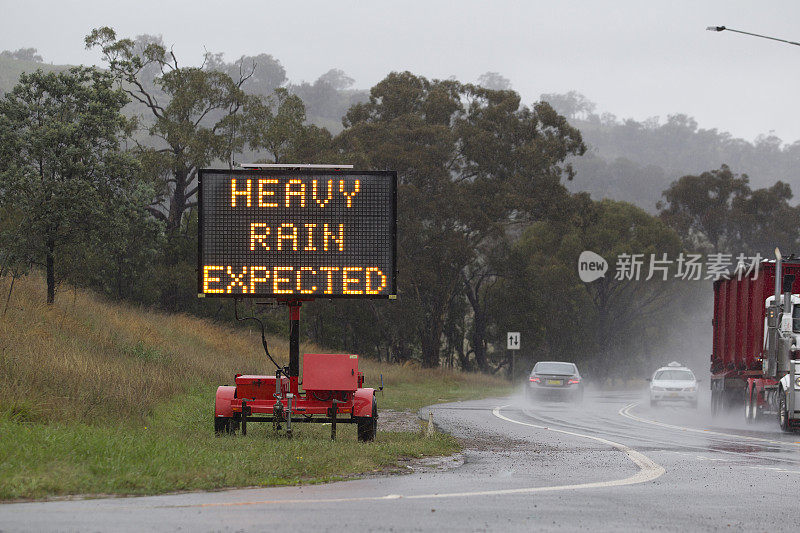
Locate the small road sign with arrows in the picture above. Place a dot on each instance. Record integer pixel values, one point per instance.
(513, 340)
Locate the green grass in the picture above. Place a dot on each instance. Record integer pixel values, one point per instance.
(177, 450)
(98, 397)
(430, 391)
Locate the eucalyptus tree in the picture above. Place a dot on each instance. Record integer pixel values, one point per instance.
(472, 162)
(193, 115)
(63, 176)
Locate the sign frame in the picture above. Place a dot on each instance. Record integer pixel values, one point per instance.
(301, 172)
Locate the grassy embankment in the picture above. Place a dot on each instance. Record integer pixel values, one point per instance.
(97, 397)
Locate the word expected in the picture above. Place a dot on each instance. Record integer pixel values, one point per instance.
(353, 280)
(267, 193)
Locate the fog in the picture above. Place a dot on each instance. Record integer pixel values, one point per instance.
(635, 59)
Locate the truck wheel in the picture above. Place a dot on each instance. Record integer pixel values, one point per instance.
(783, 414)
(748, 406)
(367, 426)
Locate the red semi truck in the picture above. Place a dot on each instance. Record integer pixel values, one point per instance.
(755, 362)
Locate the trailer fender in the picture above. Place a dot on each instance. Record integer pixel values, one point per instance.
(222, 404)
(362, 402)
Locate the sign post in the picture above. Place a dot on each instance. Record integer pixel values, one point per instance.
(512, 345)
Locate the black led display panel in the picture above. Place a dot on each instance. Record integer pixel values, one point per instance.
(297, 233)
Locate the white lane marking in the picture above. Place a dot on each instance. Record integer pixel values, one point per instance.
(772, 469)
(648, 471)
(626, 412)
(703, 457)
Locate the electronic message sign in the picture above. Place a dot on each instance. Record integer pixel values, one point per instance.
(297, 233)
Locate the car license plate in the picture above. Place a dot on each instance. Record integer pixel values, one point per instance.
(673, 394)
(554, 382)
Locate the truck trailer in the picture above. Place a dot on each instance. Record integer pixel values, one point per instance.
(755, 360)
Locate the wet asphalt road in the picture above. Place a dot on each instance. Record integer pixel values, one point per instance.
(609, 464)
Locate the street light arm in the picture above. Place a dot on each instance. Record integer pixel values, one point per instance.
(723, 28)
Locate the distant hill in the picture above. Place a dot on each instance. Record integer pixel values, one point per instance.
(10, 69)
(636, 161)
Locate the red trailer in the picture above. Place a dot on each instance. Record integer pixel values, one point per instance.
(755, 342)
(332, 393)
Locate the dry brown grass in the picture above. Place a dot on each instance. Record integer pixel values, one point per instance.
(85, 359)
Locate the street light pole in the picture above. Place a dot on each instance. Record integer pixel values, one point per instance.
(723, 28)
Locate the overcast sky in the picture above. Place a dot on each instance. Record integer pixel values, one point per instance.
(633, 58)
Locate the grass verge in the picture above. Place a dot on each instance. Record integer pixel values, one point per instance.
(102, 398)
(176, 450)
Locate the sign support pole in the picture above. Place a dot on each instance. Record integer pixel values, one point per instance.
(512, 345)
(294, 338)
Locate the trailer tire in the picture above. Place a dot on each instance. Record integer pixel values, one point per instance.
(367, 426)
(783, 413)
(715, 401)
(222, 425)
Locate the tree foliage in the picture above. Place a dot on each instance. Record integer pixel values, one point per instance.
(64, 178)
(717, 211)
(472, 162)
(23, 54)
(193, 116)
(600, 324)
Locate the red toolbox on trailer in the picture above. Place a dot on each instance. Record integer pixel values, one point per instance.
(258, 387)
(327, 371)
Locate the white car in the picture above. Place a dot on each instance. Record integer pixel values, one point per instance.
(673, 382)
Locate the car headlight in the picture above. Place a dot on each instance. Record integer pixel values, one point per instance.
(655, 388)
(797, 382)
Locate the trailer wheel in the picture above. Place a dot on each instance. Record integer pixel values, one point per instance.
(783, 414)
(368, 425)
(222, 424)
(715, 397)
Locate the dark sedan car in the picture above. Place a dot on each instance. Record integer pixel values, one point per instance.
(555, 380)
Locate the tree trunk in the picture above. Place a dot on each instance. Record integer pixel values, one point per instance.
(177, 202)
(51, 273)
(479, 338)
(119, 278)
(10, 289)
(431, 343)
(478, 323)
